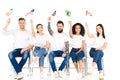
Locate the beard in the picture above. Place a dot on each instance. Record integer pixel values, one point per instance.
(60, 30)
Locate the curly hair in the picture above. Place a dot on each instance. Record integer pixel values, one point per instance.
(82, 32)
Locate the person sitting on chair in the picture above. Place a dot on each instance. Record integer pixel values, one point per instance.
(96, 51)
(22, 45)
(59, 47)
(41, 46)
(77, 32)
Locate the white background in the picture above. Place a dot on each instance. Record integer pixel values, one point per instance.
(103, 11)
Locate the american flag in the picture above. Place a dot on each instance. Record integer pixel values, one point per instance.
(30, 12)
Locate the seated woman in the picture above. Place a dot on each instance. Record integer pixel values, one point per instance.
(77, 32)
(96, 51)
(41, 46)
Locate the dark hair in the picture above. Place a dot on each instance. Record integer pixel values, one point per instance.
(103, 34)
(37, 26)
(60, 22)
(82, 32)
(21, 18)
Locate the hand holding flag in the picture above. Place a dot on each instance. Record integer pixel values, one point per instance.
(9, 12)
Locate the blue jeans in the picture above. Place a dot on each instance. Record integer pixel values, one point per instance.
(58, 53)
(97, 57)
(16, 53)
(76, 57)
(40, 52)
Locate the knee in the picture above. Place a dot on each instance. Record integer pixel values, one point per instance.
(26, 54)
(51, 56)
(10, 55)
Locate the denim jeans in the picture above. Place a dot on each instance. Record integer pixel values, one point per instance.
(97, 57)
(58, 53)
(40, 52)
(16, 53)
(76, 57)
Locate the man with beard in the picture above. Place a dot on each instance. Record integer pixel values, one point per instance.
(59, 47)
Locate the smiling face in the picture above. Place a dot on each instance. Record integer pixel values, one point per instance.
(22, 24)
(77, 29)
(99, 29)
(60, 27)
(40, 28)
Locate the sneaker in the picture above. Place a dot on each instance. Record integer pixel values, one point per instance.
(20, 75)
(15, 75)
(79, 75)
(60, 74)
(101, 77)
(55, 74)
(41, 75)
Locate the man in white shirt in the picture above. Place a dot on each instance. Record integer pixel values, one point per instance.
(22, 45)
(59, 47)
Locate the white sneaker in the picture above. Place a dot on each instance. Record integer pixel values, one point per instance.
(20, 75)
(60, 74)
(41, 75)
(15, 75)
(55, 74)
(79, 75)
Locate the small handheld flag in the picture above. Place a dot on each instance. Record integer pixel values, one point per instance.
(88, 13)
(54, 13)
(68, 13)
(30, 12)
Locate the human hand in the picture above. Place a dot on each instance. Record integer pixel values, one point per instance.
(63, 55)
(49, 19)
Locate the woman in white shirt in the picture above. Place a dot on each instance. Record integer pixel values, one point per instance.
(96, 51)
(77, 32)
(41, 46)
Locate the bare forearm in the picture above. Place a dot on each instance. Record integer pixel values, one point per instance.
(29, 47)
(5, 27)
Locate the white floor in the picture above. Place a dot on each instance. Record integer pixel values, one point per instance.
(72, 76)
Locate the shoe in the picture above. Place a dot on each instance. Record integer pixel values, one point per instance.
(60, 74)
(55, 74)
(79, 76)
(15, 75)
(41, 75)
(20, 75)
(101, 77)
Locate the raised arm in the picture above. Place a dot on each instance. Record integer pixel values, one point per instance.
(88, 32)
(70, 31)
(7, 23)
(49, 27)
(32, 27)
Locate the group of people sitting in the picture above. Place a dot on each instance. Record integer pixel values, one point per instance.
(58, 45)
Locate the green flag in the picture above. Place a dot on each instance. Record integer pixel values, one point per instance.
(68, 13)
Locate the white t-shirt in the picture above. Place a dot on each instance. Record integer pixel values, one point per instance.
(40, 40)
(22, 39)
(77, 41)
(98, 41)
(58, 41)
